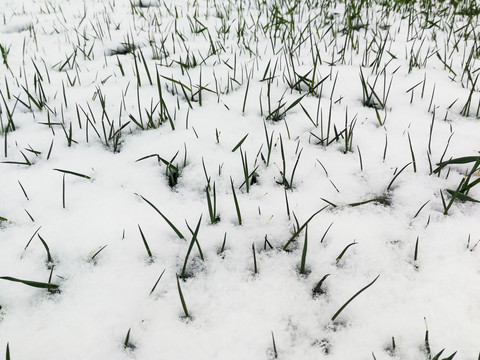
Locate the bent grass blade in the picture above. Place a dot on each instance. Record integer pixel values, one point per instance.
(352, 298)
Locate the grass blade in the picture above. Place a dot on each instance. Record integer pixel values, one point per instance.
(156, 283)
(237, 207)
(437, 357)
(421, 207)
(275, 353)
(299, 230)
(35, 284)
(182, 299)
(164, 218)
(326, 231)
(461, 160)
(98, 252)
(190, 247)
(304, 253)
(49, 257)
(461, 197)
(391, 182)
(255, 268)
(73, 173)
(427, 343)
(239, 143)
(145, 243)
(31, 238)
(126, 343)
(339, 257)
(351, 299)
(317, 290)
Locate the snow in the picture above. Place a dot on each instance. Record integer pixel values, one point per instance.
(234, 311)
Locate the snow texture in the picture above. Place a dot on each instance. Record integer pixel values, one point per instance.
(238, 62)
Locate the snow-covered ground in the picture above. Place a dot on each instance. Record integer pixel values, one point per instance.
(131, 129)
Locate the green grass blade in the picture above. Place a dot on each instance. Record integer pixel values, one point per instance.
(149, 156)
(156, 283)
(391, 182)
(49, 257)
(222, 249)
(290, 185)
(326, 232)
(351, 299)
(304, 253)
(35, 284)
(427, 343)
(239, 143)
(466, 187)
(451, 356)
(461, 197)
(182, 299)
(339, 257)
(412, 154)
(212, 206)
(292, 105)
(39, 105)
(444, 204)
(237, 207)
(73, 173)
(190, 247)
(31, 238)
(255, 268)
(421, 207)
(275, 353)
(98, 252)
(437, 357)
(461, 160)
(317, 290)
(164, 218)
(455, 195)
(299, 230)
(127, 338)
(145, 243)
(136, 122)
(200, 252)
(178, 83)
(380, 200)
(146, 67)
(415, 255)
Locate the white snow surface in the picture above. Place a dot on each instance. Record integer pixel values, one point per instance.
(233, 311)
